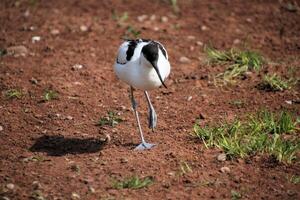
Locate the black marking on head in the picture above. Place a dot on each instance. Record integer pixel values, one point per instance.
(131, 47)
(150, 51)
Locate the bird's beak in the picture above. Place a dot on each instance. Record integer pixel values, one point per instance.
(154, 64)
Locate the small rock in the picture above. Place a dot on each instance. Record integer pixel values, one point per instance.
(204, 28)
(1, 128)
(69, 117)
(91, 189)
(236, 41)
(142, 18)
(10, 186)
(17, 51)
(156, 28)
(199, 43)
(36, 185)
(249, 20)
(33, 81)
(221, 157)
(54, 32)
(77, 66)
(152, 17)
(164, 19)
(189, 98)
(171, 173)
(84, 28)
(184, 59)
(107, 137)
(5, 198)
(124, 160)
(75, 196)
(191, 37)
(289, 102)
(26, 13)
(35, 39)
(225, 170)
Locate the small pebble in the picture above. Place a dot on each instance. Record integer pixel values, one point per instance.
(289, 102)
(69, 117)
(142, 18)
(152, 17)
(189, 98)
(221, 157)
(83, 28)
(1, 128)
(10, 186)
(156, 28)
(75, 196)
(35, 39)
(204, 28)
(107, 137)
(225, 170)
(236, 41)
(184, 59)
(249, 20)
(5, 198)
(55, 32)
(199, 43)
(91, 189)
(77, 66)
(33, 81)
(164, 19)
(191, 37)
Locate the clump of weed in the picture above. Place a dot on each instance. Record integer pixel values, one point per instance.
(260, 133)
(133, 182)
(184, 168)
(50, 95)
(13, 94)
(239, 61)
(121, 19)
(235, 195)
(276, 83)
(132, 32)
(112, 119)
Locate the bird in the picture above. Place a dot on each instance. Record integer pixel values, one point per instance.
(144, 65)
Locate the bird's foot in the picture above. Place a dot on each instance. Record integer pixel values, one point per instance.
(152, 119)
(144, 146)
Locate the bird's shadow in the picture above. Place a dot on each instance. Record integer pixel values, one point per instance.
(60, 145)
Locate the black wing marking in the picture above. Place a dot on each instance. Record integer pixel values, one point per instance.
(131, 47)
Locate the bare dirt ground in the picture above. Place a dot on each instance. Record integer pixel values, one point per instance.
(54, 149)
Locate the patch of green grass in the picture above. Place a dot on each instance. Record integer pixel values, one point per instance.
(133, 182)
(239, 61)
(184, 168)
(235, 195)
(112, 119)
(175, 6)
(276, 83)
(13, 94)
(263, 132)
(132, 32)
(121, 19)
(238, 103)
(294, 179)
(50, 95)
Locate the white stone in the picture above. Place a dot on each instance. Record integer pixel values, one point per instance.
(184, 59)
(35, 39)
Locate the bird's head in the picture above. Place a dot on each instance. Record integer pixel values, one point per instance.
(150, 55)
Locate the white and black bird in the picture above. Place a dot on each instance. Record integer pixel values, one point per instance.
(142, 64)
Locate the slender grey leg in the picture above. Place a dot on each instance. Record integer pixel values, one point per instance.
(152, 114)
(144, 145)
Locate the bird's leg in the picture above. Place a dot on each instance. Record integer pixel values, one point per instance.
(152, 114)
(144, 145)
